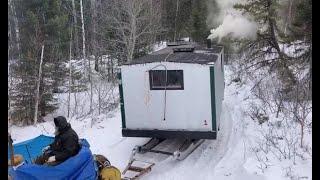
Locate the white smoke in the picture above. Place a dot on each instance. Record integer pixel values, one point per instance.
(233, 23)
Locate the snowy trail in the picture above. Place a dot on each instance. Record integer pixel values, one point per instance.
(231, 165)
(202, 160)
(223, 158)
(227, 158)
(105, 138)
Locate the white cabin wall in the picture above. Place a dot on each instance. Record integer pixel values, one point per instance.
(186, 109)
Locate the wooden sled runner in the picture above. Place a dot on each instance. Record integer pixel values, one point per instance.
(178, 149)
(136, 168)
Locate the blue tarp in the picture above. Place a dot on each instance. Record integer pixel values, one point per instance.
(32, 148)
(81, 166)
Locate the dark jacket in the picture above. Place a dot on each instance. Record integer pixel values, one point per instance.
(66, 142)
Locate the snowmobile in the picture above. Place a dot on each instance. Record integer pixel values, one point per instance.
(84, 165)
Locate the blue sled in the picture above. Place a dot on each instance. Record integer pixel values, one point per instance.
(81, 166)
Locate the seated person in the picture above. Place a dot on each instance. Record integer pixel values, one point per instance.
(65, 145)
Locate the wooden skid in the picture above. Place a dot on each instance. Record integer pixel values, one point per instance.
(138, 171)
(149, 145)
(182, 148)
(187, 148)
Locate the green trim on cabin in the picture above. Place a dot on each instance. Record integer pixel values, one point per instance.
(123, 116)
(213, 99)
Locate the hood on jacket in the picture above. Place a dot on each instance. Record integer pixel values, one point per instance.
(61, 123)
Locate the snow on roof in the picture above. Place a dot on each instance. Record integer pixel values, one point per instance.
(200, 55)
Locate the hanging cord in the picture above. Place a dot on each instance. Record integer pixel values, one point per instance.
(165, 86)
(165, 90)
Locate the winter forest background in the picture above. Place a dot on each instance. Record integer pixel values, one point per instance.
(66, 53)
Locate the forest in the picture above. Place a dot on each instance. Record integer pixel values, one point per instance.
(64, 57)
(74, 47)
(57, 46)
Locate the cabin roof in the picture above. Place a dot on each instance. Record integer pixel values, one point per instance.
(200, 55)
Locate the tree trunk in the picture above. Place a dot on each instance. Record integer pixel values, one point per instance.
(310, 81)
(288, 18)
(132, 37)
(75, 99)
(93, 48)
(112, 70)
(286, 75)
(175, 21)
(99, 97)
(70, 75)
(302, 132)
(93, 39)
(38, 86)
(9, 75)
(74, 13)
(91, 88)
(42, 104)
(83, 40)
(16, 27)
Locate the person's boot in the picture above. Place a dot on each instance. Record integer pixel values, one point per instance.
(43, 158)
(40, 160)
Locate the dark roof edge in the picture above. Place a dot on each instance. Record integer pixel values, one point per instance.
(130, 64)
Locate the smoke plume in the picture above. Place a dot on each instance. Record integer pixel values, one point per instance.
(232, 22)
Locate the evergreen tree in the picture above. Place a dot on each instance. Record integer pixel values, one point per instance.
(185, 18)
(45, 23)
(199, 29)
(265, 14)
(302, 21)
(269, 36)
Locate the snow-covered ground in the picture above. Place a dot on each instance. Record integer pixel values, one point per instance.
(229, 157)
(158, 46)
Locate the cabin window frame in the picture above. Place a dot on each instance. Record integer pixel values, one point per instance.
(169, 73)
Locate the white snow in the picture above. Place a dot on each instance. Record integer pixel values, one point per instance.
(159, 46)
(229, 157)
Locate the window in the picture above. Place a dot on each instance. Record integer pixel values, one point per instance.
(158, 79)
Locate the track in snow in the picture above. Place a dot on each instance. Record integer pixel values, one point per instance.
(202, 160)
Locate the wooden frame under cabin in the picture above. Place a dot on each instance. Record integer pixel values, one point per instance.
(175, 92)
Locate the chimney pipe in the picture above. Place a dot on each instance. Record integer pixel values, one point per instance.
(208, 43)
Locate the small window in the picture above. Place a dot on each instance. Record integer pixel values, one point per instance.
(158, 79)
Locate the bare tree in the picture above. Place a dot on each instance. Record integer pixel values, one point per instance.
(9, 80)
(86, 69)
(38, 86)
(83, 39)
(75, 22)
(300, 108)
(16, 26)
(134, 23)
(288, 17)
(93, 34)
(70, 73)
